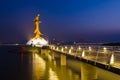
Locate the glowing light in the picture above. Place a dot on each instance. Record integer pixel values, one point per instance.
(57, 48)
(90, 49)
(16, 44)
(39, 42)
(83, 53)
(105, 50)
(79, 48)
(62, 49)
(65, 47)
(70, 51)
(112, 59)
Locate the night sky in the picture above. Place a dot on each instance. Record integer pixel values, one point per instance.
(63, 20)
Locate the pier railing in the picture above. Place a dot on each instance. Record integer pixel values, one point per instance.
(107, 55)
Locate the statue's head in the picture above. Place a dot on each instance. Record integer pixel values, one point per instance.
(38, 15)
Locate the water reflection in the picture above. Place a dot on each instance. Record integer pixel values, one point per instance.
(52, 75)
(45, 67)
(39, 67)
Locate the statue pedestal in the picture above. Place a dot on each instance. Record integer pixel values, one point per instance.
(39, 42)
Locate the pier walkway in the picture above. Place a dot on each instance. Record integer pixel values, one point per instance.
(109, 56)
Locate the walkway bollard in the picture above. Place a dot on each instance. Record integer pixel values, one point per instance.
(110, 60)
(83, 54)
(70, 51)
(62, 50)
(105, 50)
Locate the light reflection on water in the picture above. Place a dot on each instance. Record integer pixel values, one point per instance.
(52, 75)
(39, 69)
(46, 69)
(41, 66)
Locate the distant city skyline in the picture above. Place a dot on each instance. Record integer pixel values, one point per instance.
(62, 20)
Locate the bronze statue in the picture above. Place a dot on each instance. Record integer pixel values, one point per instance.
(37, 31)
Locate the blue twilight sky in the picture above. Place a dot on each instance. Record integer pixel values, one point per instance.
(73, 20)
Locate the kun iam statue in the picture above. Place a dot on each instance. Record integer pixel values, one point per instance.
(37, 40)
(37, 31)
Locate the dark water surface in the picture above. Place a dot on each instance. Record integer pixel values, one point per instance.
(18, 65)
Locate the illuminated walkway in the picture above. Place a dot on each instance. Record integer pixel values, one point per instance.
(105, 55)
